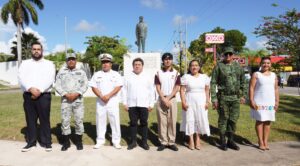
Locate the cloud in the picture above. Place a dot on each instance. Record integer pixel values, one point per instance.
(180, 19)
(41, 38)
(6, 44)
(6, 30)
(60, 48)
(85, 26)
(256, 45)
(153, 4)
(5, 47)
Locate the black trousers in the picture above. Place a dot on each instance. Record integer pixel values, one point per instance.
(37, 109)
(135, 114)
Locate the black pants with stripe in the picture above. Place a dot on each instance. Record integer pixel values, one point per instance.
(37, 109)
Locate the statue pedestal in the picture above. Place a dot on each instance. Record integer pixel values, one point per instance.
(152, 62)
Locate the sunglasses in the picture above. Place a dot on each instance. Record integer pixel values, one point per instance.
(228, 53)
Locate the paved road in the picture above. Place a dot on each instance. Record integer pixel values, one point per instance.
(281, 153)
(289, 91)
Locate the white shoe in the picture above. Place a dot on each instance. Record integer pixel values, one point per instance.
(97, 146)
(117, 146)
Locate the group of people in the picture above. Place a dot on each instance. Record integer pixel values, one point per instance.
(226, 90)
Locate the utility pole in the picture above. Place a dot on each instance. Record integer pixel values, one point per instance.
(186, 50)
(181, 48)
(66, 46)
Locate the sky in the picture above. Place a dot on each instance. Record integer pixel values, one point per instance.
(163, 17)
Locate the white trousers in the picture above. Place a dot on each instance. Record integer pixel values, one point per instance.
(101, 121)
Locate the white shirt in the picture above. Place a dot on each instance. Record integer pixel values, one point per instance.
(38, 74)
(167, 80)
(138, 90)
(106, 82)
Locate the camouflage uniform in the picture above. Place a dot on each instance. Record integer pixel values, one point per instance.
(71, 81)
(230, 81)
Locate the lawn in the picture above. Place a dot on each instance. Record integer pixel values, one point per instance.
(12, 120)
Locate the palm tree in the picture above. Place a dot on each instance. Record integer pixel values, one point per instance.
(26, 40)
(19, 11)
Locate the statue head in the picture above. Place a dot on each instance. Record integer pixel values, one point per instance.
(141, 18)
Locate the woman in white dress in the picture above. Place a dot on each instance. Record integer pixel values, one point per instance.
(194, 93)
(264, 101)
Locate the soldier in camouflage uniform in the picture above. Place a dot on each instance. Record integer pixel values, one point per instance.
(71, 83)
(228, 78)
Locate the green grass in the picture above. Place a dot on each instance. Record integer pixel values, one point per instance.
(3, 86)
(12, 121)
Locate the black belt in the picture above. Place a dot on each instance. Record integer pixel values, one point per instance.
(44, 93)
(171, 97)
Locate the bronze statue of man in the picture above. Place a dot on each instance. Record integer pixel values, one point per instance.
(141, 34)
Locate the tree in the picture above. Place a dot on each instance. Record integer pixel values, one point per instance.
(103, 44)
(233, 38)
(59, 58)
(283, 33)
(26, 40)
(19, 10)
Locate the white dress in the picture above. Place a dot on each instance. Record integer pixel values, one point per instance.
(195, 119)
(264, 97)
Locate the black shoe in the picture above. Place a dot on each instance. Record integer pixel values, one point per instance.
(78, 144)
(173, 147)
(28, 147)
(131, 146)
(145, 146)
(48, 148)
(66, 143)
(223, 144)
(232, 145)
(161, 148)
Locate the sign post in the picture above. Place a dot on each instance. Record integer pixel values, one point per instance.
(214, 38)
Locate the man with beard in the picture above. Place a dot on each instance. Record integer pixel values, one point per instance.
(36, 76)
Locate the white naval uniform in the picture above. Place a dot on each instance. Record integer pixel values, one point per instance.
(105, 82)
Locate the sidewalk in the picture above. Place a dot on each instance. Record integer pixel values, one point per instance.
(281, 153)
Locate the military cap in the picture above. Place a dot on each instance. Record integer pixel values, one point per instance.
(70, 55)
(105, 57)
(228, 50)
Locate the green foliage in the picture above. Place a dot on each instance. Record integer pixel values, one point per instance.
(59, 58)
(26, 40)
(103, 44)
(20, 11)
(233, 38)
(283, 33)
(6, 58)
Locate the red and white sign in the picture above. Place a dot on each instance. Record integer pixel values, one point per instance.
(240, 60)
(214, 38)
(209, 49)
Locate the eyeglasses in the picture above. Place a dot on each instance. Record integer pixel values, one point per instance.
(228, 53)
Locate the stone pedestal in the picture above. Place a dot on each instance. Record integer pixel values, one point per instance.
(152, 62)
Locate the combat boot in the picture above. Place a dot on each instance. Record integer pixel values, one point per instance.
(66, 143)
(223, 142)
(230, 143)
(79, 145)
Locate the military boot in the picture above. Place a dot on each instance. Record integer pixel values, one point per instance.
(223, 142)
(230, 143)
(66, 143)
(79, 145)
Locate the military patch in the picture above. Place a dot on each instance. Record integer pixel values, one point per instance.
(77, 73)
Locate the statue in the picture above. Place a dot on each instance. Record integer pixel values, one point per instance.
(141, 34)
